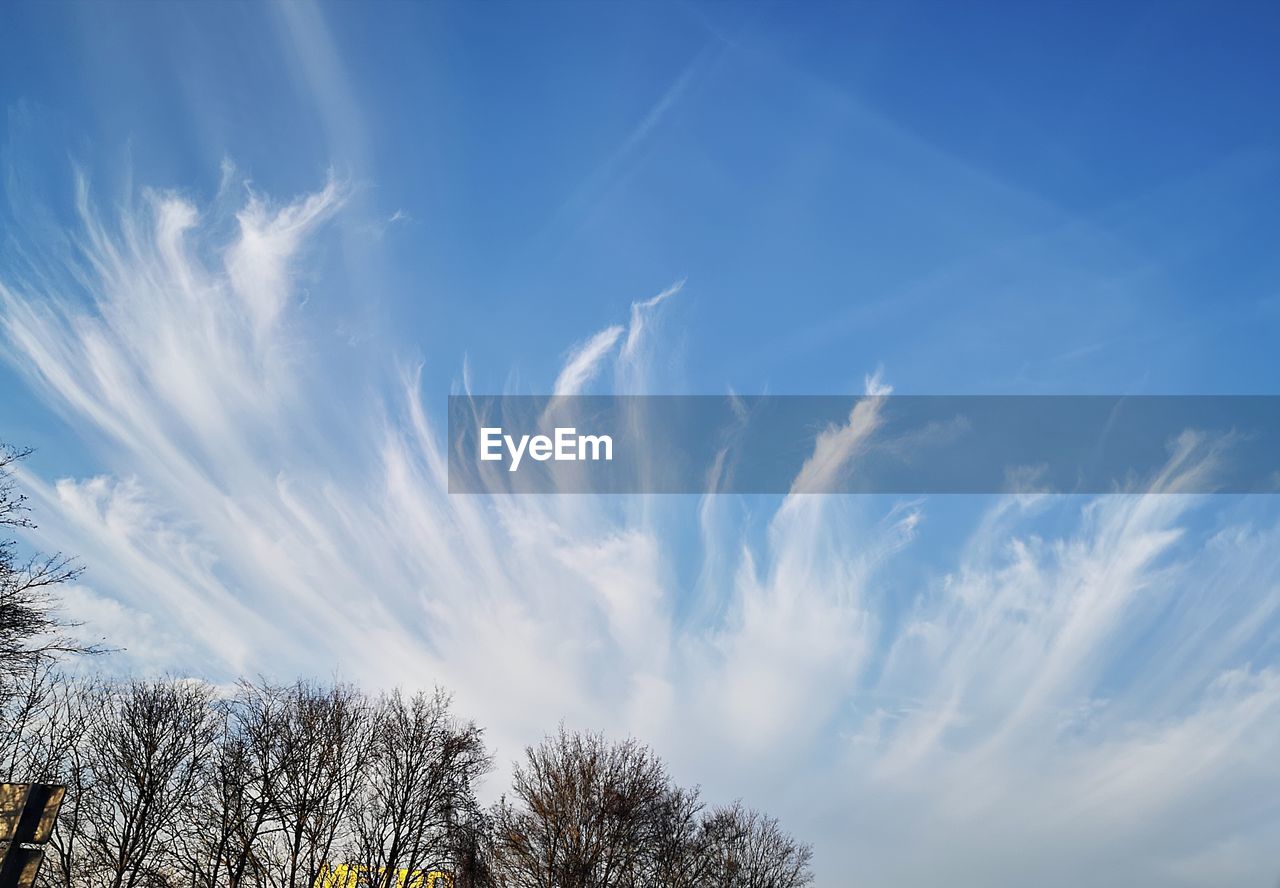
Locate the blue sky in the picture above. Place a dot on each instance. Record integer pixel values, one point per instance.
(303, 225)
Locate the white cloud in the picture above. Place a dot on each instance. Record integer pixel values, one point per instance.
(1093, 705)
(584, 362)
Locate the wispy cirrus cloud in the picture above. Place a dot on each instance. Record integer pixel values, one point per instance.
(585, 361)
(1087, 693)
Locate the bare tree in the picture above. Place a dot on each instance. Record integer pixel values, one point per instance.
(473, 851)
(45, 718)
(584, 814)
(221, 840)
(24, 709)
(78, 704)
(277, 786)
(171, 786)
(418, 788)
(319, 752)
(587, 813)
(149, 749)
(689, 841)
(30, 629)
(756, 853)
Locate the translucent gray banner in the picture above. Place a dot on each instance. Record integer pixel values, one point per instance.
(898, 444)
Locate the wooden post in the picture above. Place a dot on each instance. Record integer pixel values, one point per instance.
(28, 812)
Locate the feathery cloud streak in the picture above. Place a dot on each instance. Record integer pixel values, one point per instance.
(1088, 694)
